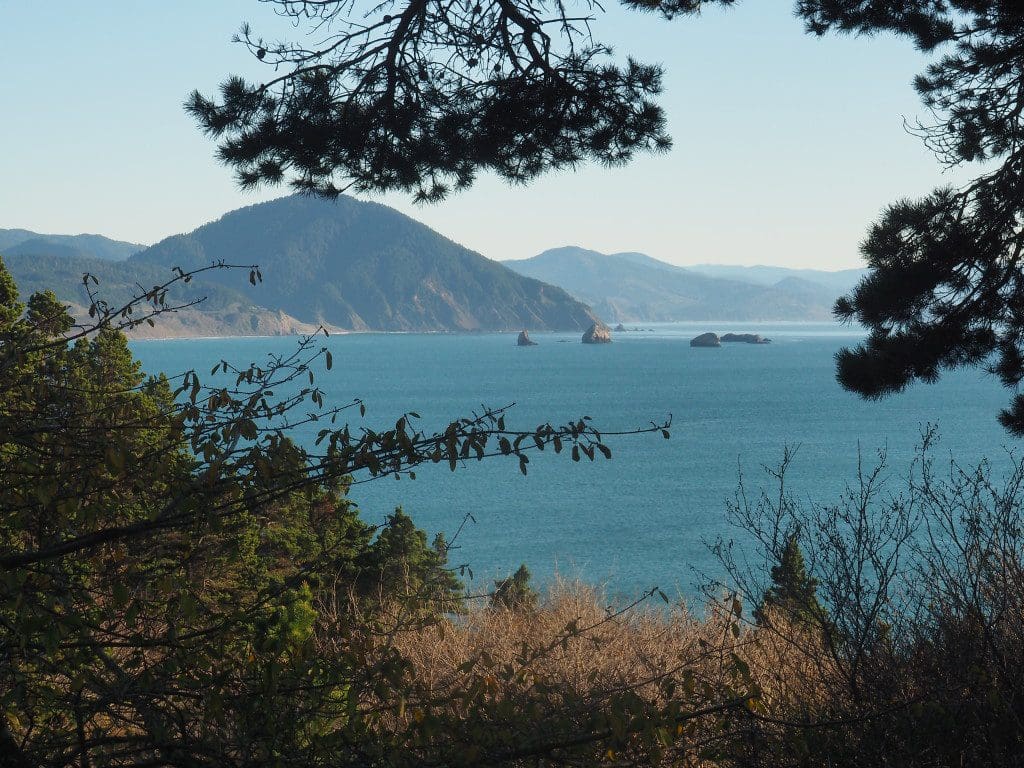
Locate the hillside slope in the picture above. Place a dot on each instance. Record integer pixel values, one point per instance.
(221, 311)
(634, 287)
(363, 266)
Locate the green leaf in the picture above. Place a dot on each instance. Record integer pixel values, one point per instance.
(114, 459)
(121, 595)
(45, 494)
(741, 666)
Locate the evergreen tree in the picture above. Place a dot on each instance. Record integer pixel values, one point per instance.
(945, 287)
(10, 307)
(793, 591)
(400, 562)
(514, 592)
(175, 571)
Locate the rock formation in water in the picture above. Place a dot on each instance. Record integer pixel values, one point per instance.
(597, 333)
(706, 340)
(524, 340)
(746, 338)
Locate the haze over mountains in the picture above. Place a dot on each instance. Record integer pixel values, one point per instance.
(22, 241)
(629, 287)
(841, 280)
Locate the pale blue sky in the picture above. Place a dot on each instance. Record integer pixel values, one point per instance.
(786, 146)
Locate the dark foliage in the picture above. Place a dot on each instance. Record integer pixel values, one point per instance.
(400, 563)
(514, 592)
(420, 96)
(910, 657)
(793, 591)
(181, 585)
(946, 288)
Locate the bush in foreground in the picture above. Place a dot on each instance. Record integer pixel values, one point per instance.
(182, 585)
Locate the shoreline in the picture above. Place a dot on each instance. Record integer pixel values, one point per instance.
(134, 339)
(651, 326)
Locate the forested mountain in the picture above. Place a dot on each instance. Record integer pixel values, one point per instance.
(635, 287)
(363, 266)
(223, 310)
(23, 241)
(347, 264)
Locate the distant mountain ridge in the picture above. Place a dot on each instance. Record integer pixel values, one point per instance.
(354, 265)
(23, 241)
(347, 264)
(630, 287)
(842, 280)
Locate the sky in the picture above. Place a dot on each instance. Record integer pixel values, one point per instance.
(786, 146)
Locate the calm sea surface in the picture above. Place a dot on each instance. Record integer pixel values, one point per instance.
(642, 518)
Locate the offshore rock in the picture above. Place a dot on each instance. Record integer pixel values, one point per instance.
(524, 340)
(597, 333)
(746, 338)
(706, 340)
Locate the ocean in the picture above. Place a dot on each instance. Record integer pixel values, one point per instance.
(645, 517)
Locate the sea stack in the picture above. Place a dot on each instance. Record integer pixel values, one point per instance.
(524, 340)
(597, 333)
(746, 338)
(706, 340)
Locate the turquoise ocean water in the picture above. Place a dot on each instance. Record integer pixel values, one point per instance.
(642, 518)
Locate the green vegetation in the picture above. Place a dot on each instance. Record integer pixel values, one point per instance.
(793, 592)
(400, 562)
(46, 270)
(181, 585)
(514, 592)
(159, 589)
(363, 266)
(345, 264)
